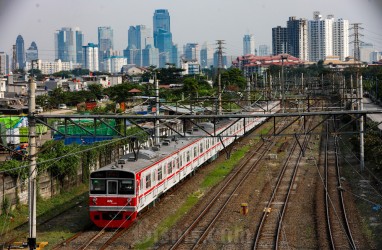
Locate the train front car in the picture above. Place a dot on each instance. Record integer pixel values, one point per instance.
(112, 197)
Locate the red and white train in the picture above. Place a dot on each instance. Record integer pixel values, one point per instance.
(119, 191)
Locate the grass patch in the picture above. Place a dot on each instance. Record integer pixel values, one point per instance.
(212, 179)
(46, 208)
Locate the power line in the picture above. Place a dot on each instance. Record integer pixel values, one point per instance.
(356, 27)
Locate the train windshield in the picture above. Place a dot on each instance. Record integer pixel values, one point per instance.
(100, 186)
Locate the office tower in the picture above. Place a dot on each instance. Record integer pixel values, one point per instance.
(105, 43)
(175, 55)
(206, 56)
(32, 52)
(279, 40)
(341, 39)
(20, 52)
(366, 50)
(90, 57)
(4, 63)
(192, 52)
(139, 37)
(320, 37)
(297, 37)
(161, 21)
(263, 50)
(163, 37)
(249, 44)
(150, 56)
(68, 44)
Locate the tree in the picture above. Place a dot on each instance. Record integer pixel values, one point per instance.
(233, 77)
(96, 90)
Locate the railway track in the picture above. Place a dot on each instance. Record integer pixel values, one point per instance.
(268, 232)
(196, 233)
(337, 223)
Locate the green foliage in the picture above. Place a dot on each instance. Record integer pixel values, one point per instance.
(15, 168)
(233, 78)
(96, 91)
(120, 92)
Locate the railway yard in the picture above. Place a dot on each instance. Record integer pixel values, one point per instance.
(289, 193)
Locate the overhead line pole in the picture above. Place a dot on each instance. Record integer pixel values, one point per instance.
(32, 168)
(220, 63)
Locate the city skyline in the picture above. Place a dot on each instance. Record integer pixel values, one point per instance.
(188, 23)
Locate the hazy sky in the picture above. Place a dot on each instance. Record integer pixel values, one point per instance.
(191, 21)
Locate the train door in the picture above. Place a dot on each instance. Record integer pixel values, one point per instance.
(112, 187)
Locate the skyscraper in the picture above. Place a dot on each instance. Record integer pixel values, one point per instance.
(139, 37)
(32, 52)
(90, 57)
(279, 40)
(206, 56)
(192, 52)
(249, 45)
(297, 33)
(163, 37)
(341, 38)
(20, 52)
(4, 63)
(320, 37)
(68, 44)
(263, 50)
(161, 20)
(105, 41)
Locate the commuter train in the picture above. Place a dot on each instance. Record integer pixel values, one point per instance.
(119, 191)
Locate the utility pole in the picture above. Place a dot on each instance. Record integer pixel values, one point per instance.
(32, 167)
(356, 27)
(157, 109)
(220, 66)
(283, 57)
(14, 59)
(361, 126)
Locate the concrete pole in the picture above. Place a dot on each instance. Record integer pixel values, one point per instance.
(361, 127)
(157, 110)
(32, 167)
(248, 92)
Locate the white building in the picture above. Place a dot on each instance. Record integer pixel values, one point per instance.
(206, 56)
(341, 38)
(49, 68)
(190, 67)
(114, 64)
(320, 37)
(249, 45)
(3, 87)
(365, 50)
(4, 63)
(90, 57)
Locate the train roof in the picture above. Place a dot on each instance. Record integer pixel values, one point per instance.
(168, 146)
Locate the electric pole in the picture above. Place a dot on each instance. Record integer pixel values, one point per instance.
(32, 167)
(356, 27)
(220, 65)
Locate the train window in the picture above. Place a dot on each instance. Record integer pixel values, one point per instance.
(195, 151)
(126, 187)
(148, 181)
(180, 161)
(112, 187)
(98, 186)
(160, 173)
(169, 168)
(201, 147)
(188, 156)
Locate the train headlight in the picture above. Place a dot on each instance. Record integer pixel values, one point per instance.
(95, 200)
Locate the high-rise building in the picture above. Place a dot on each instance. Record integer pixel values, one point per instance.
(68, 44)
(150, 56)
(341, 38)
(90, 57)
(297, 36)
(365, 50)
(249, 45)
(105, 41)
(192, 52)
(206, 56)
(4, 63)
(32, 52)
(279, 40)
(320, 37)
(161, 21)
(139, 37)
(263, 50)
(20, 52)
(163, 38)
